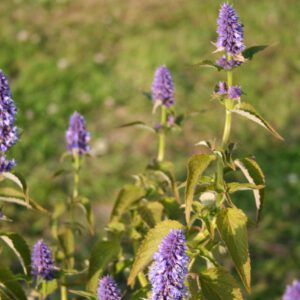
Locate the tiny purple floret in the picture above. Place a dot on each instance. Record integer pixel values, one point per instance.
(77, 136)
(42, 263)
(169, 269)
(227, 64)
(230, 31)
(222, 88)
(163, 87)
(234, 92)
(292, 291)
(108, 289)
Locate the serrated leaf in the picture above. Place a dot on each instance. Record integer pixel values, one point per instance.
(254, 175)
(127, 196)
(20, 248)
(238, 186)
(207, 64)
(8, 280)
(149, 246)
(248, 111)
(232, 226)
(83, 294)
(102, 254)
(138, 124)
(251, 51)
(218, 284)
(197, 164)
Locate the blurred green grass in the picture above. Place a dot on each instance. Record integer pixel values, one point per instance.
(98, 56)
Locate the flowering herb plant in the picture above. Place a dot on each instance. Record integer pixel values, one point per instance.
(165, 240)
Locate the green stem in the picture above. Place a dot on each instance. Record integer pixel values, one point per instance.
(142, 279)
(44, 290)
(76, 175)
(63, 293)
(225, 138)
(162, 134)
(227, 128)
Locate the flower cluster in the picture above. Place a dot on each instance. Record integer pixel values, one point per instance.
(169, 270)
(230, 39)
(8, 131)
(41, 261)
(163, 87)
(292, 291)
(233, 92)
(77, 136)
(108, 289)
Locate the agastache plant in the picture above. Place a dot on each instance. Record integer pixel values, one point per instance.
(163, 95)
(166, 239)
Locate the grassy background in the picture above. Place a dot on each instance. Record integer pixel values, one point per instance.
(98, 56)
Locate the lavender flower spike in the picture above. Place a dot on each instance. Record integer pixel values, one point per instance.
(230, 30)
(163, 87)
(77, 136)
(8, 131)
(292, 291)
(41, 261)
(108, 289)
(169, 270)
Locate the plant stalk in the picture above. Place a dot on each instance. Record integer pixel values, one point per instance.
(63, 293)
(162, 134)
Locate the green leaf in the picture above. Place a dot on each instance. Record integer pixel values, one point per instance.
(254, 175)
(251, 51)
(85, 205)
(67, 243)
(197, 164)
(138, 124)
(232, 226)
(218, 284)
(152, 212)
(168, 169)
(207, 64)
(8, 280)
(248, 111)
(20, 248)
(18, 179)
(83, 294)
(127, 196)
(149, 246)
(238, 186)
(102, 254)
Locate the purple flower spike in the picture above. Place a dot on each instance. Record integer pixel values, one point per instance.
(41, 261)
(169, 270)
(234, 92)
(77, 136)
(230, 30)
(227, 64)
(8, 131)
(163, 87)
(108, 289)
(292, 291)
